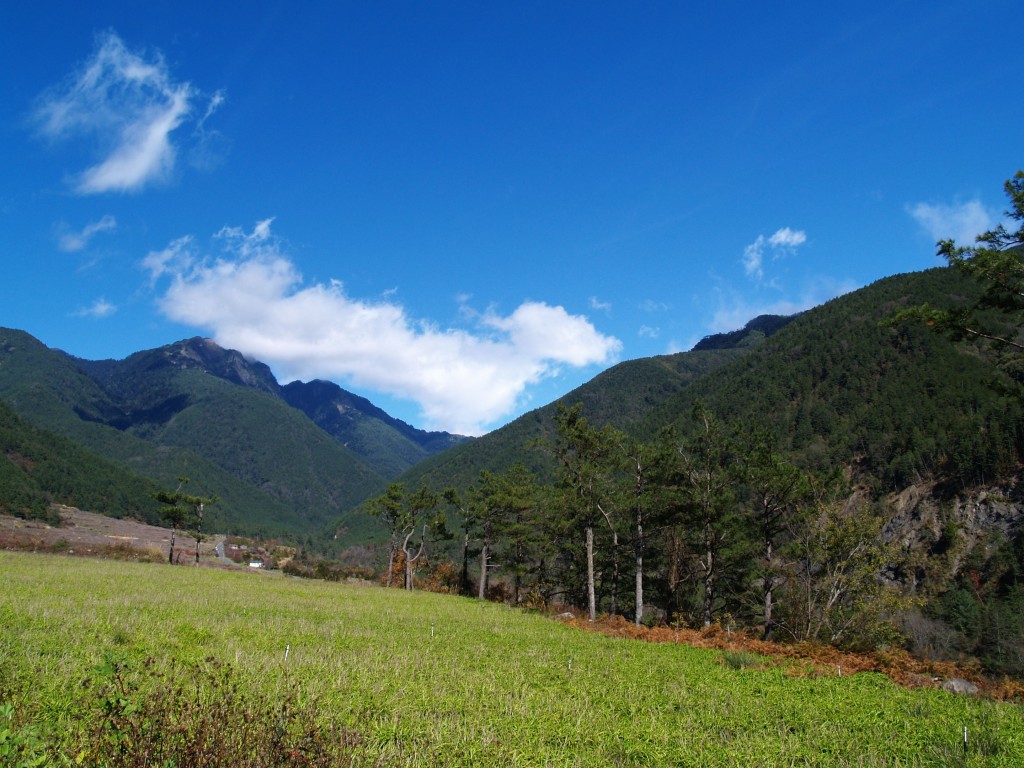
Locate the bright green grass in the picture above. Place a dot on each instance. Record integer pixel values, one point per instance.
(434, 680)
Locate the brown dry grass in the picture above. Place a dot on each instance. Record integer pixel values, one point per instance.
(809, 659)
(90, 534)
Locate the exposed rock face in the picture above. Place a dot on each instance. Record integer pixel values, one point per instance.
(228, 364)
(942, 530)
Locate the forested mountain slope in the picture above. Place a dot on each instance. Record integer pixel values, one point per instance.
(837, 385)
(899, 403)
(39, 468)
(163, 415)
(387, 444)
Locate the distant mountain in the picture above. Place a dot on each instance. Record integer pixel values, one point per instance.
(193, 409)
(281, 458)
(389, 445)
(761, 327)
(124, 377)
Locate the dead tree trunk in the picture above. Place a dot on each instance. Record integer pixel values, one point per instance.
(769, 588)
(591, 596)
(410, 560)
(485, 554)
(710, 567)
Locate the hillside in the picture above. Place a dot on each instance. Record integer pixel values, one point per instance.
(834, 384)
(387, 444)
(39, 468)
(898, 403)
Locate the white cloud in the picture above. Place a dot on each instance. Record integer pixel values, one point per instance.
(129, 103)
(254, 300)
(600, 306)
(209, 146)
(784, 242)
(76, 241)
(647, 332)
(98, 309)
(962, 222)
(787, 238)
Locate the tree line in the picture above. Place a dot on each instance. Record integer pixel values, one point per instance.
(714, 526)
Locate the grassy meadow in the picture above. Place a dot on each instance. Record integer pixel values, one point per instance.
(130, 664)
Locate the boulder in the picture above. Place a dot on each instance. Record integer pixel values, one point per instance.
(957, 685)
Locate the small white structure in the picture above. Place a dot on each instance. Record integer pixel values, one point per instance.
(255, 563)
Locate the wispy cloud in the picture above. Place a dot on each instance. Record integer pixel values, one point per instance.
(650, 305)
(464, 379)
(131, 105)
(176, 259)
(98, 309)
(783, 242)
(734, 311)
(962, 222)
(600, 306)
(210, 145)
(70, 242)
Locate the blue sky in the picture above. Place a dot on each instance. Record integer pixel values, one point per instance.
(464, 210)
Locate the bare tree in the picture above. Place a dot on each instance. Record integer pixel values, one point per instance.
(837, 558)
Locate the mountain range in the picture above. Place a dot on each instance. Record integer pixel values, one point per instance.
(897, 405)
(283, 460)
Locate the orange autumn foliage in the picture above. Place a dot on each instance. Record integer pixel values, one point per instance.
(809, 659)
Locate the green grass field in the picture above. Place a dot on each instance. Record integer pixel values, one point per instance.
(112, 663)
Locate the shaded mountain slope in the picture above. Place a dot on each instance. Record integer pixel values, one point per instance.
(39, 468)
(389, 445)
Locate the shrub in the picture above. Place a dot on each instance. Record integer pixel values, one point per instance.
(199, 715)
